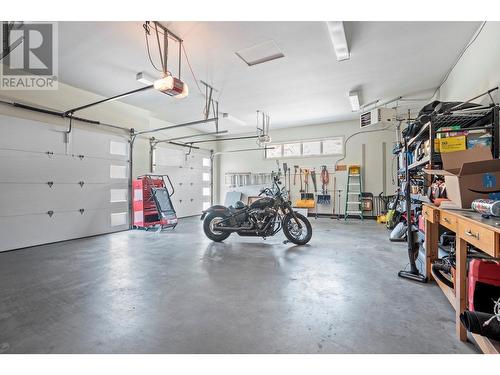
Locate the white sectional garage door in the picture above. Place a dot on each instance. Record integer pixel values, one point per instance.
(190, 175)
(53, 191)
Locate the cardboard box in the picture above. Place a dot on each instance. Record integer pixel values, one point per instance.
(452, 144)
(469, 175)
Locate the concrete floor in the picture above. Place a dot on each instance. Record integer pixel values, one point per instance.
(177, 292)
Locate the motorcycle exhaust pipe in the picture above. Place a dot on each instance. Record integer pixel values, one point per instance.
(232, 229)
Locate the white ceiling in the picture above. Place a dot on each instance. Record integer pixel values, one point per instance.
(307, 86)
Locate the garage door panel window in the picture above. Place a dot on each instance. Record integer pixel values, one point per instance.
(117, 148)
(117, 171)
(119, 218)
(118, 195)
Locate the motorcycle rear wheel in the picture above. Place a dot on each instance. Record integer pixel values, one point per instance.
(208, 227)
(299, 236)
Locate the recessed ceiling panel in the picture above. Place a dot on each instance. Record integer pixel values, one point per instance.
(260, 53)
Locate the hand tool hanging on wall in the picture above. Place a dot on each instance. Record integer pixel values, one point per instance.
(303, 180)
(324, 197)
(285, 170)
(313, 178)
(300, 178)
(289, 180)
(306, 195)
(296, 168)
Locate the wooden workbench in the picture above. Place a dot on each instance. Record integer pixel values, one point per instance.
(469, 227)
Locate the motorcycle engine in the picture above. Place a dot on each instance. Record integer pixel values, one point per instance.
(262, 216)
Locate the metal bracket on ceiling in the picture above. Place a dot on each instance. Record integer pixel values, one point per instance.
(241, 150)
(263, 129)
(167, 33)
(211, 105)
(153, 142)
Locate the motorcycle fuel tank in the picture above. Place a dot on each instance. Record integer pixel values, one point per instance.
(262, 203)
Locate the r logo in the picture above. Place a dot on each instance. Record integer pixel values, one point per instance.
(28, 50)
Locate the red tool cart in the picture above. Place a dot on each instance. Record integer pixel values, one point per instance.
(151, 202)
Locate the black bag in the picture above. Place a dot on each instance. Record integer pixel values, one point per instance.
(424, 115)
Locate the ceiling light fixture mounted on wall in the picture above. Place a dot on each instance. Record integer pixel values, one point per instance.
(339, 40)
(168, 84)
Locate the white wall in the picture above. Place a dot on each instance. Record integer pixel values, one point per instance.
(478, 70)
(254, 161)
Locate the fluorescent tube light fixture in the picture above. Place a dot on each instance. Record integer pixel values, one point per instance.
(354, 100)
(339, 40)
(233, 119)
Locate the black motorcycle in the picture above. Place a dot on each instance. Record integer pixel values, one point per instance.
(263, 218)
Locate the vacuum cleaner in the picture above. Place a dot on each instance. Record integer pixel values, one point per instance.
(411, 237)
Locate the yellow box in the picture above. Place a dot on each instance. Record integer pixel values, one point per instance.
(436, 144)
(452, 144)
(354, 169)
(305, 203)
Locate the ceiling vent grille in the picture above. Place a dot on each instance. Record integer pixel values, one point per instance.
(260, 53)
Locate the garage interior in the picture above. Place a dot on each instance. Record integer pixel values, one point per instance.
(245, 187)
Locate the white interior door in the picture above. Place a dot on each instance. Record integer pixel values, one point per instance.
(51, 190)
(190, 175)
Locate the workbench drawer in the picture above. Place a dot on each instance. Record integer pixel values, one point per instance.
(448, 221)
(430, 214)
(480, 237)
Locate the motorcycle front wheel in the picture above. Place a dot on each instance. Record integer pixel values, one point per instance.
(299, 236)
(208, 227)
